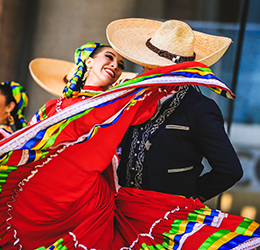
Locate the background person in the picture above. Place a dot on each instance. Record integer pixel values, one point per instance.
(13, 100)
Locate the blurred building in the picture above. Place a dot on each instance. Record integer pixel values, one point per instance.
(54, 29)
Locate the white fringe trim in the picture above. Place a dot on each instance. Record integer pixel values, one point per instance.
(20, 189)
(76, 243)
(248, 245)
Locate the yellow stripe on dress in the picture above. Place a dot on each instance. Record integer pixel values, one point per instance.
(38, 155)
(207, 211)
(199, 72)
(182, 229)
(218, 90)
(200, 218)
(224, 239)
(251, 229)
(6, 156)
(3, 167)
(41, 113)
(47, 135)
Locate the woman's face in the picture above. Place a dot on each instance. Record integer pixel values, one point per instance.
(105, 68)
(5, 109)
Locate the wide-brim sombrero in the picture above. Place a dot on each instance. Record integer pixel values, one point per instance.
(128, 37)
(53, 74)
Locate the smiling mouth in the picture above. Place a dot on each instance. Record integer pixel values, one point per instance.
(110, 72)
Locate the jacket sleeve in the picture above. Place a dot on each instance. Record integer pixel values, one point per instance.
(217, 149)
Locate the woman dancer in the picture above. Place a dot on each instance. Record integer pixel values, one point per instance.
(13, 100)
(60, 186)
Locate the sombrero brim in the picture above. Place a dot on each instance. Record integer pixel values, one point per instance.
(52, 74)
(128, 38)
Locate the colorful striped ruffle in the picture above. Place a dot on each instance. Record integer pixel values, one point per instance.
(34, 143)
(185, 233)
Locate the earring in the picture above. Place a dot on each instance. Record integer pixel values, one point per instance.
(85, 75)
(10, 119)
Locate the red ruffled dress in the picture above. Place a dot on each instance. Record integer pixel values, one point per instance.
(69, 199)
(67, 196)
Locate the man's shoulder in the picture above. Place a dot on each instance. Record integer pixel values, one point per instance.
(194, 96)
(195, 100)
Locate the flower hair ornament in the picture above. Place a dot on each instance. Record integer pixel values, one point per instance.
(75, 84)
(21, 100)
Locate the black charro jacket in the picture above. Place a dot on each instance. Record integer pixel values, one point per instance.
(172, 160)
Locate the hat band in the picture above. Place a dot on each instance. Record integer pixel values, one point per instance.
(168, 55)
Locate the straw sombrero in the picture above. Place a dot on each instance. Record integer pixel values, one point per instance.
(172, 40)
(52, 74)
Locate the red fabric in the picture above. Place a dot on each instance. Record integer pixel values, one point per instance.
(58, 198)
(69, 193)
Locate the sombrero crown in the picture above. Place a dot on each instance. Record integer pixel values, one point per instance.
(153, 44)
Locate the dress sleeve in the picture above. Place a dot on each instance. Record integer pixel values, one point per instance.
(149, 106)
(48, 109)
(217, 149)
(51, 107)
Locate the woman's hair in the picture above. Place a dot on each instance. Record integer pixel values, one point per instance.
(75, 84)
(14, 92)
(98, 49)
